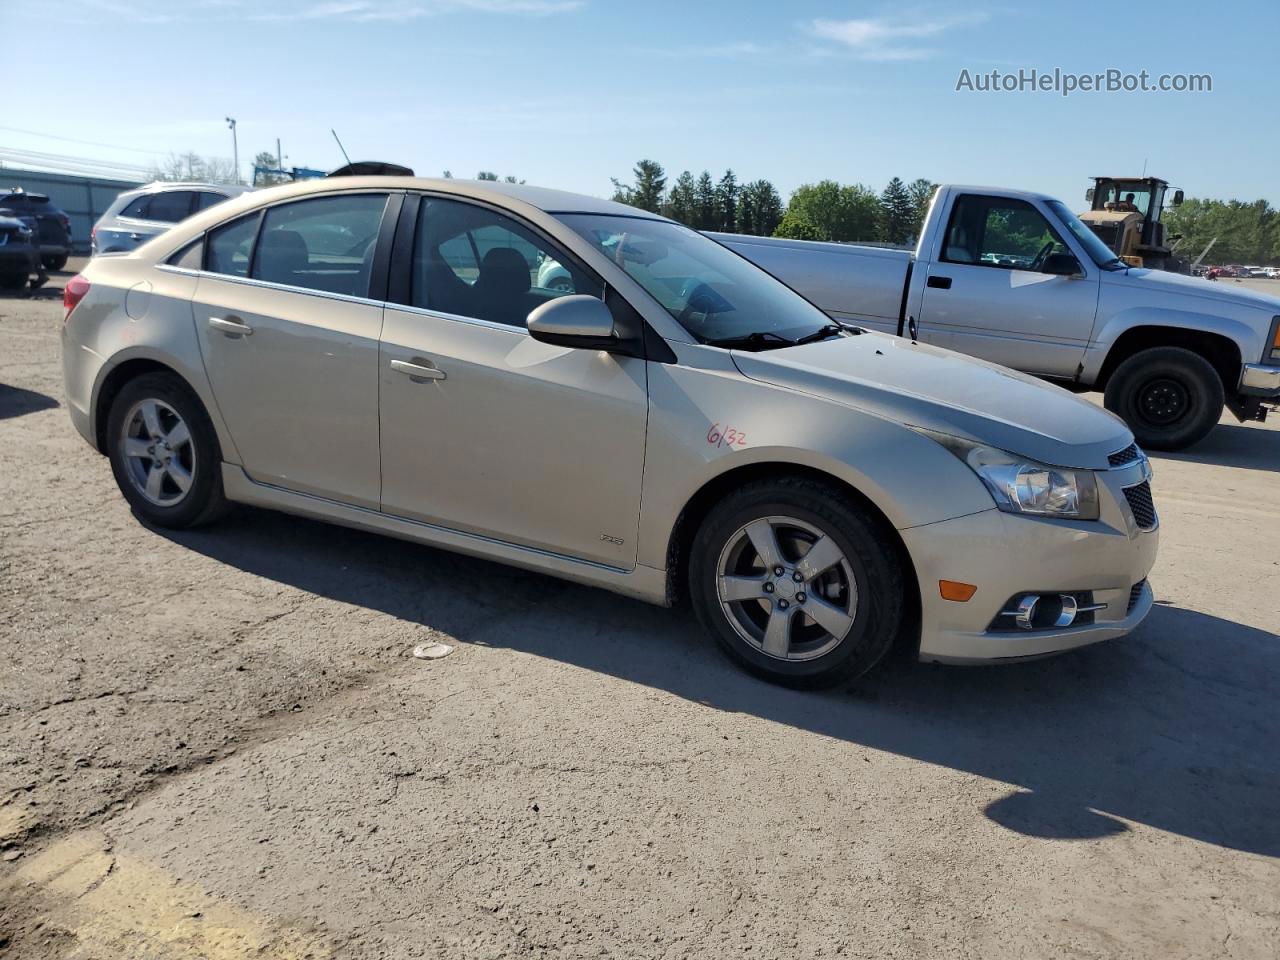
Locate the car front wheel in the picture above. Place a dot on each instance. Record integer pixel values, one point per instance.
(799, 584)
(164, 452)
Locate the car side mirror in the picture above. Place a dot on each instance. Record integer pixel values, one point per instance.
(1061, 265)
(580, 321)
(1177, 198)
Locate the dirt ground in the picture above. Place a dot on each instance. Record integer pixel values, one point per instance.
(215, 744)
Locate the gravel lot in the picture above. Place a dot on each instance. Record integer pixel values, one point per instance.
(216, 744)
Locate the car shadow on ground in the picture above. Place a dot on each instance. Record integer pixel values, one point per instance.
(1233, 445)
(17, 402)
(1174, 727)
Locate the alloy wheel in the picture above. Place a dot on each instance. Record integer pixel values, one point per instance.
(159, 457)
(787, 588)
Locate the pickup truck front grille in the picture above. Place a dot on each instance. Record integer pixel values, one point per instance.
(1127, 455)
(1143, 507)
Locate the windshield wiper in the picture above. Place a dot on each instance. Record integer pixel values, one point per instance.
(828, 330)
(756, 340)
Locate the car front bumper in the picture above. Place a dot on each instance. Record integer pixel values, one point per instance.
(1006, 555)
(1260, 380)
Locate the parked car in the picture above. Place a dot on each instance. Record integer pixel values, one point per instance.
(677, 422)
(138, 215)
(53, 227)
(1169, 350)
(20, 261)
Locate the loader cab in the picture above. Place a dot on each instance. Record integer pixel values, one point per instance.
(1126, 213)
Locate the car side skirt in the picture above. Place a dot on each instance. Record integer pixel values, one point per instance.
(642, 583)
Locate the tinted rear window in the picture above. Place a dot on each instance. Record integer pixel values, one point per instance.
(170, 207)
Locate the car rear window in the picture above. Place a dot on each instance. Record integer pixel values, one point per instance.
(170, 206)
(205, 199)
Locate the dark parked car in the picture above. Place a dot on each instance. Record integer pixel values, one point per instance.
(19, 253)
(53, 225)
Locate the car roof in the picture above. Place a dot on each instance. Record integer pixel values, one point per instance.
(159, 186)
(542, 198)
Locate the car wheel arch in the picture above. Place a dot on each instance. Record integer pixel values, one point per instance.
(697, 507)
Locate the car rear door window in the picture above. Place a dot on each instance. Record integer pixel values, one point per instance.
(231, 246)
(170, 206)
(326, 243)
(474, 262)
(205, 199)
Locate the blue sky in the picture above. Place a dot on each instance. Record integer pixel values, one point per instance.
(568, 93)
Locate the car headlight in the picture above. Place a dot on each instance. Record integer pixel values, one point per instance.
(1021, 485)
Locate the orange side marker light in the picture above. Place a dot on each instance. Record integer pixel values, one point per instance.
(954, 590)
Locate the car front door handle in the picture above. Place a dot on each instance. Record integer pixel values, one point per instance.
(232, 327)
(418, 371)
(939, 283)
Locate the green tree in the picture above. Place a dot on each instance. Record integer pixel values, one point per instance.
(921, 193)
(896, 212)
(649, 189)
(486, 175)
(793, 226)
(1246, 231)
(727, 203)
(848, 212)
(682, 199)
(704, 203)
(759, 208)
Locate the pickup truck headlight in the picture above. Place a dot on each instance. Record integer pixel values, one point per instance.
(1020, 485)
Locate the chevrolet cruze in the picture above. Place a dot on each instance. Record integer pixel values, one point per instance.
(664, 421)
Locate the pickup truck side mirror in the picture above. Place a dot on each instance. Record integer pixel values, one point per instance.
(1061, 265)
(579, 321)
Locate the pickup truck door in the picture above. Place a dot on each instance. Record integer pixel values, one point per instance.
(984, 293)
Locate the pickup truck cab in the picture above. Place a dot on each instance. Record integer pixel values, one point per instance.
(1015, 278)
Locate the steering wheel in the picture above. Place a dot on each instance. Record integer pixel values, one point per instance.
(1038, 262)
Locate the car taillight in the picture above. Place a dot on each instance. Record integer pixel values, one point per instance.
(73, 293)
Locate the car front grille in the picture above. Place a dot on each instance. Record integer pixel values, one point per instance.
(1135, 593)
(1140, 502)
(1127, 455)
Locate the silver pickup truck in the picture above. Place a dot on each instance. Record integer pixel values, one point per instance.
(1015, 278)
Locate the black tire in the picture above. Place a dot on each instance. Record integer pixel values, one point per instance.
(872, 557)
(1169, 397)
(203, 501)
(13, 281)
(56, 262)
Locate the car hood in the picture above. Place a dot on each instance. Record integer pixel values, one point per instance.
(1178, 283)
(925, 386)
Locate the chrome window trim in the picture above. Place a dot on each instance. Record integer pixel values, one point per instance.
(268, 285)
(441, 315)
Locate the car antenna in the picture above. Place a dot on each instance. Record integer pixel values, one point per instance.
(340, 146)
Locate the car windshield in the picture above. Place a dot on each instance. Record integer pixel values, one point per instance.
(712, 292)
(1098, 251)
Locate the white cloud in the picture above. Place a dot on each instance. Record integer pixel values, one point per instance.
(884, 38)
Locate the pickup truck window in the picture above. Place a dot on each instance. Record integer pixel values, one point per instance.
(711, 291)
(1093, 245)
(999, 232)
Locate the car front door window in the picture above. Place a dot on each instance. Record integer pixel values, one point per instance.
(997, 232)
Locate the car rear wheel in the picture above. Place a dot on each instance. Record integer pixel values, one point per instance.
(798, 584)
(56, 262)
(1169, 397)
(164, 452)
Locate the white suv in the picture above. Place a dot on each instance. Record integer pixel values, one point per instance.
(138, 215)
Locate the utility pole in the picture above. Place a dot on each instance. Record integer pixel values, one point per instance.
(235, 147)
(279, 156)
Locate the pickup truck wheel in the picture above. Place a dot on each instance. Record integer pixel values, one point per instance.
(1169, 397)
(55, 263)
(798, 584)
(164, 453)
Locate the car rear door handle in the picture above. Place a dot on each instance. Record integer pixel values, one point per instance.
(231, 326)
(419, 371)
(939, 283)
